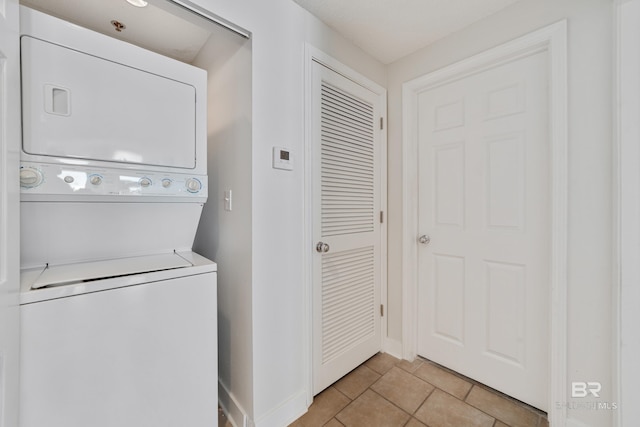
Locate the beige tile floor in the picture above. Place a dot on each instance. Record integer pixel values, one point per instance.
(222, 419)
(387, 392)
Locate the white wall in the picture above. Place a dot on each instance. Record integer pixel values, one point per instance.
(270, 384)
(589, 234)
(273, 386)
(627, 215)
(225, 236)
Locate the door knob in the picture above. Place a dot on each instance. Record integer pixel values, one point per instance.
(322, 247)
(424, 239)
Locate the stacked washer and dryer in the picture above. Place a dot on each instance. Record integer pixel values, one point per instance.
(118, 314)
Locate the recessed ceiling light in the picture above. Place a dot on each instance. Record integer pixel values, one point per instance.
(137, 3)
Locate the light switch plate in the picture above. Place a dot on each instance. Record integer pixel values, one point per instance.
(282, 158)
(228, 200)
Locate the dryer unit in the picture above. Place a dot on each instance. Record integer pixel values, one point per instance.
(114, 146)
(118, 315)
(88, 99)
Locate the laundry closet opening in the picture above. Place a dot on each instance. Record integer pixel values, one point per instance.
(224, 51)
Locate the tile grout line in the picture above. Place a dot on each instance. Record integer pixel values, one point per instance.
(350, 400)
(540, 415)
(473, 384)
(464, 399)
(411, 415)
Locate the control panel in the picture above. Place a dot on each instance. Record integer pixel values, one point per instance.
(61, 180)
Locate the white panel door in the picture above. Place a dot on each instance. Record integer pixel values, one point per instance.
(485, 204)
(9, 211)
(346, 206)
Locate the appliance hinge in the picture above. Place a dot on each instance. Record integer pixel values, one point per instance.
(381, 123)
(381, 310)
(381, 217)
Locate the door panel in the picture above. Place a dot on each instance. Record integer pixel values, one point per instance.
(485, 202)
(346, 265)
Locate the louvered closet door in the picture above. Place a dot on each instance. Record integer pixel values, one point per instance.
(346, 225)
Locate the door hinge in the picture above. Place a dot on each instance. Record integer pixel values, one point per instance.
(381, 123)
(381, 310)
(381, 217)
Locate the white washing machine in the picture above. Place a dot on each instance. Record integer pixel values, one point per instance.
(119, 316)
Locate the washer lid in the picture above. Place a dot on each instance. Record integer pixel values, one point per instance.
(90, 271)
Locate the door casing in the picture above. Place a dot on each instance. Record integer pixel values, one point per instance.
(10, 140)
(553, 40)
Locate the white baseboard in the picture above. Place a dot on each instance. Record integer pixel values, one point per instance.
(392, 347)
(232, 409)
(283, 415)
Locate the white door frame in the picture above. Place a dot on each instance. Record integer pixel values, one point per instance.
(553, 40)
(626, 212)
(10, 141)
(312, 54)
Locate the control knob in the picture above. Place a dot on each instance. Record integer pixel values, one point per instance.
(30, 178)
(95, 179)
(193, 185)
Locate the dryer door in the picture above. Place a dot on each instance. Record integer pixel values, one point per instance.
(76, 105)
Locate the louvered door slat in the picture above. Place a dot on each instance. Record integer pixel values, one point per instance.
(350, 291)
(346, 99)
(345, 163)
(331, 179)
(348, 149)
(347, 174)
(348, 132)
(346, 140)
(345, 194)
(355, 155)
(337, 118)
(335, 108)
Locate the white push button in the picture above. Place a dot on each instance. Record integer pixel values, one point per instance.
(68, 179)
(145, 182)
(166, 183)
(95, 180)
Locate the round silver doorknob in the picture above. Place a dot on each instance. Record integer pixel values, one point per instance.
(322, 247)
(424, 239)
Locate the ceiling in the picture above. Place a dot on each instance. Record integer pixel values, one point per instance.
(391, 29)
(160, 26)
(386, 29)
